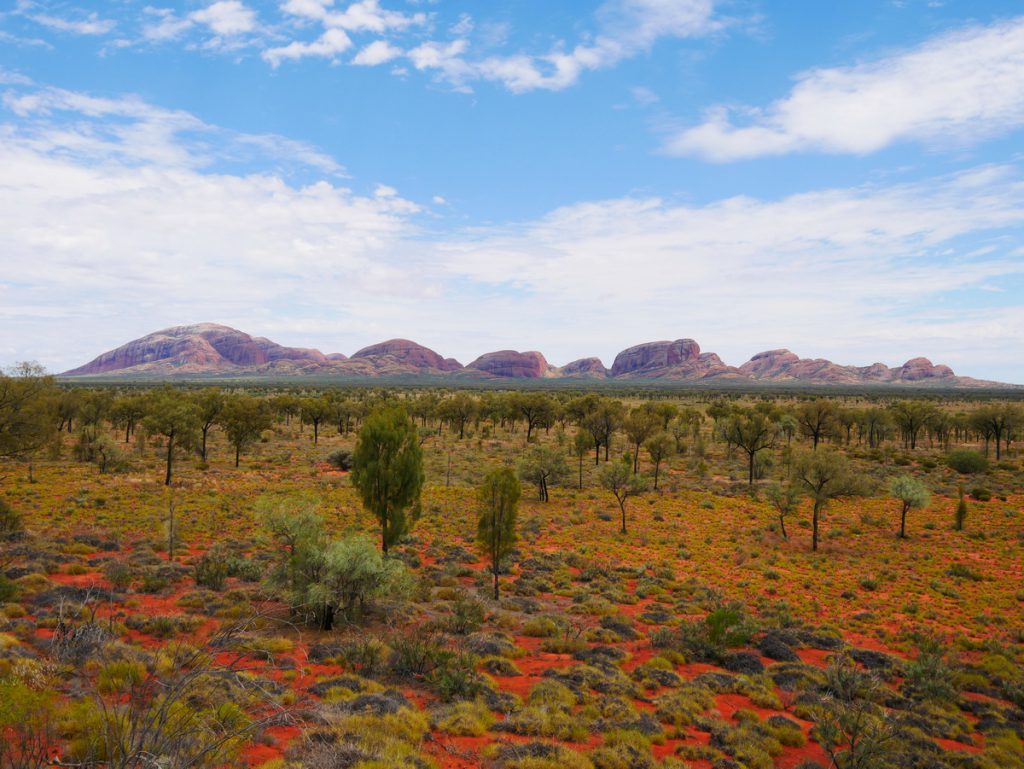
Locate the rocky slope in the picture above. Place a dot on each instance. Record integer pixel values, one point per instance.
(513, 364)
(785, 366)
(210, 349)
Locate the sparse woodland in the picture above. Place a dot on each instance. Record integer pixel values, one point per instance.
(363, 578)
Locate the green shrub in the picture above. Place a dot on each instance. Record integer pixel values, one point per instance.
(340, 459)
(967, 461)
(120, 676)
(465, 719)
(211, 571)
(11, 524)
(981, 494)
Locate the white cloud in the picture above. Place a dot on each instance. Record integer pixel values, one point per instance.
(957, 88)
(362, 17)
(89, 24)
(151, 234)
(226, 17)
(627, 27)
(328, 45)
(377, 52)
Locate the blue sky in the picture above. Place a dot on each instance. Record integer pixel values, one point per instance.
(843, 179)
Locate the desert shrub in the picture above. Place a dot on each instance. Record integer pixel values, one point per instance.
(454, 676)
(211, 571)
(464, 719)
(244, 569)
(340, 459)
(623, 749)
(11, 524)
(967, 461)
(28, 726)
(153, 582)
(963, 571)
(369, 741)
(467, 616)
(540, 755)
(120, 676)
(324, 580)
(119, 573)
(414, 654)
(683, 707)
(928, 677)
(723, 628)
(981, 494)
(8, 589)
(540, 627)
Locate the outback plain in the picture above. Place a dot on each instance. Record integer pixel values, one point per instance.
(577, 577)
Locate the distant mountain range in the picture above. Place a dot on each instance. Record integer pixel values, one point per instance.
(212, 350)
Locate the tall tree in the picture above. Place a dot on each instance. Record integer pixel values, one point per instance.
(911, 417)
(209, 405)
(244, 419)
(315, 411)
(784, 499)
(602, 422)
(387, 470)
(912, 494)
(997, 421)
(824, 475)
(173, 415)
(752, 431)
(458, 411)
(660, 447)
(619, 479)
(581, 443)
(496, 529)
(127, 412)
(639, 425)
(543, 466)
(538, 409)
(28, 411)
(816, 418)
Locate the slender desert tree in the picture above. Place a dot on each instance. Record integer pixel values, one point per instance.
(387, 469)
(496, 530)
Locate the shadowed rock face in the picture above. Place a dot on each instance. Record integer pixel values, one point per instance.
(202, 347)
(783, 365)
(918, 369)
(513, 364)
(584, 367)
(681, 359)
(654, 355)
(408, 353)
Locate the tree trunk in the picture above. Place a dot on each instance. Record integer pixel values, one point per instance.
(238, 451)
(782, 525)
(750, 480)
(170, 458)
(903, 521)
(316, 432)
(622, 507)
(657, 468)
(206, 429)
(814, 527)
(495, 582)
(581, 472)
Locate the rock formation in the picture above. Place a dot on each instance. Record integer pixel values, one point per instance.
(210, 350)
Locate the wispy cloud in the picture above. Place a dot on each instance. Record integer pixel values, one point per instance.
(957, 88)
(76, 22)
(625, 29)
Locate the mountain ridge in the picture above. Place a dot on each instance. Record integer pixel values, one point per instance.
(212, 349)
